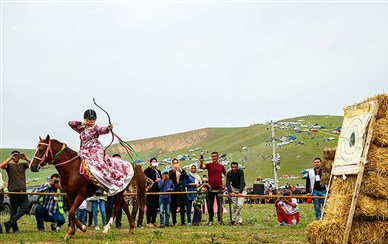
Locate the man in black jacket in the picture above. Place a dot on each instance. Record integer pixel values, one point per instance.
(236, 187)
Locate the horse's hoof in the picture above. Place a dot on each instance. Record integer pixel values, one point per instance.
(106, 229)
(131, 233)
(83, 228)
(67, 237)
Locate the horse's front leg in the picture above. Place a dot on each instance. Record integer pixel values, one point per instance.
(70, 201)
(73, 220)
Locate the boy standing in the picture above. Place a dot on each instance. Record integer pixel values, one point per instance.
(165, 185)
(200, 200)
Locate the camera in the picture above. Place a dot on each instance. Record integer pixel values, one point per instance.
(19, 155)
(56, 182)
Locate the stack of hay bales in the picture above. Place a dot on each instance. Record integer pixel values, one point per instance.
(370, 224)
(328, 155)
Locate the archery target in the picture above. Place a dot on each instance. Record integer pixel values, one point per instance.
(351, 142)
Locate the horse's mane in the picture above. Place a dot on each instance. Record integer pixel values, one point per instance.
(59, 142)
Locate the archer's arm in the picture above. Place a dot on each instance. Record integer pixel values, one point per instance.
(102, 129)
(76, 125)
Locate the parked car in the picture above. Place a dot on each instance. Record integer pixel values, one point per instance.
(32, 199)
(7, 206)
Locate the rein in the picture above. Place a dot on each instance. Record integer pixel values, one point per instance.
(53, 157)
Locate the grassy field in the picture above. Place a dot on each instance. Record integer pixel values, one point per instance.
(260, 226)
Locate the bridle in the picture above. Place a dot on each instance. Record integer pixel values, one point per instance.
(48, 152)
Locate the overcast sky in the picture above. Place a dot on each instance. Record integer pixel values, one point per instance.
(162, 68)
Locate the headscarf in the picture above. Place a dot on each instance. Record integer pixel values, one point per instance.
(177, 172)
(195, 175)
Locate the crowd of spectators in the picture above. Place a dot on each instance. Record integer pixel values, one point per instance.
(191, 207)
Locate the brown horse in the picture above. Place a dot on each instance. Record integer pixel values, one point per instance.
(76, 186)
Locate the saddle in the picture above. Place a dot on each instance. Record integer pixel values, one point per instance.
(84, 170)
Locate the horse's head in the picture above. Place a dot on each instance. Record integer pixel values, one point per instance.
(43, 154)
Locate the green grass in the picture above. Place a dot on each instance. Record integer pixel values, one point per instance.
(260, 226)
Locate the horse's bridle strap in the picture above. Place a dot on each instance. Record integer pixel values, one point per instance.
(53, 157)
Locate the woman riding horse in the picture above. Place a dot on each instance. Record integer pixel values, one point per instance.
(113, 174)
(105, 171)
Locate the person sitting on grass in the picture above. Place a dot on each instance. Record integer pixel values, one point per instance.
(199, 201)
(165, 185)
(287, 210)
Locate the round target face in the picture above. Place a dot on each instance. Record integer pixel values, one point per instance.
(351, 141)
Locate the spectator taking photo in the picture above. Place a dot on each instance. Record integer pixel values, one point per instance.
(16, 171)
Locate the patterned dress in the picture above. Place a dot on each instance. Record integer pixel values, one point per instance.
(114, 173)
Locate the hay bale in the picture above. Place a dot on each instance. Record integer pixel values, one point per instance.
(326, 166)
(380, 133)
(377, 159)
(368, 208)
(328, 153)
(332, 231)
(325, 179)
(382, 100)
(343, 187)
(375, 184)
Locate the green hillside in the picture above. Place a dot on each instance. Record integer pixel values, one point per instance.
(294, 157)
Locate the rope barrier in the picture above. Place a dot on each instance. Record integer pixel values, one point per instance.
(298, 196)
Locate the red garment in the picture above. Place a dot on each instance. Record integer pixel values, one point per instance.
(309, 200)
(283, 217)
(215, 172)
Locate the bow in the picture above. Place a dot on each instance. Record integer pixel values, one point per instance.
(110, 123)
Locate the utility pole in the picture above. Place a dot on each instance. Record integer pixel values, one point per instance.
(274, 157)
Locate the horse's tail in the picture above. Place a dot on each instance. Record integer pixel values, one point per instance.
(140, 179)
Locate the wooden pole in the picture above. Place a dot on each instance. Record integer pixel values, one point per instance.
(327, 194)
(274, 158)
(298, 196)
(360, 176)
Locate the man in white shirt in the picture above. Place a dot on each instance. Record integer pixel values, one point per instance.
(287, 210)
